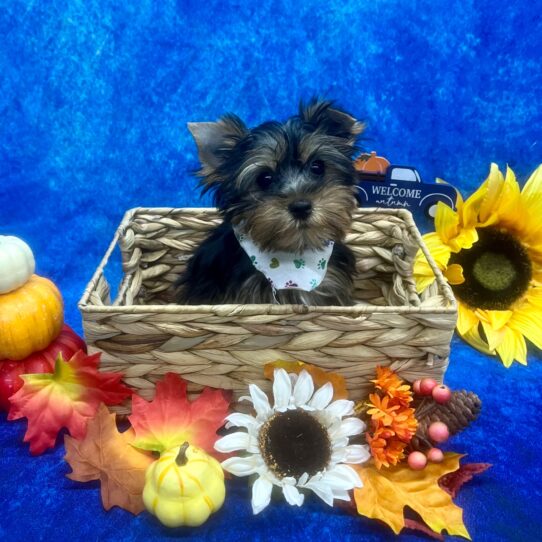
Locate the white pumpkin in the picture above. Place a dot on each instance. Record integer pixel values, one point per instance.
(16, 263)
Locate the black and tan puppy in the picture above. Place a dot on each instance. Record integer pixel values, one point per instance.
(287, 189)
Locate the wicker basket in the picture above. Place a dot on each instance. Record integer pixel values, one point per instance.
(144, 335)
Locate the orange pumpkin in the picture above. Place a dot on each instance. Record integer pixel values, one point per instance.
(30, 318)
(371, 164)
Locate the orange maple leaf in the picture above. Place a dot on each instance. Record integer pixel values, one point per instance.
(170, 419)
(68, 397)
(385, 493)
(107, 455)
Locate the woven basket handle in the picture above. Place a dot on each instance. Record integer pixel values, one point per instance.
(98, 290)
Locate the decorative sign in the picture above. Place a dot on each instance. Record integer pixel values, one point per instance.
(381, 184)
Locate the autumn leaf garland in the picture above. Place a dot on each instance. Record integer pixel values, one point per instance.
(75, 395)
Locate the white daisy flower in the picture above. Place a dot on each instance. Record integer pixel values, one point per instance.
(301, 442)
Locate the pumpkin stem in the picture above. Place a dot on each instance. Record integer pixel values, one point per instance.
(181, 458)
(58, 372)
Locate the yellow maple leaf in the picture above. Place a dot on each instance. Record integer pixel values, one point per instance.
(385, 493)
(319, 376)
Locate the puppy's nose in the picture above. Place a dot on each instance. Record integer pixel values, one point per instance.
(300, 208)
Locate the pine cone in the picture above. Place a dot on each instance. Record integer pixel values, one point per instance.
(462, 409)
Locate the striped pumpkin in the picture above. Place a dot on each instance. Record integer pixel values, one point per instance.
(184, 487)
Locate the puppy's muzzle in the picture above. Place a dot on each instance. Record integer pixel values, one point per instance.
(300, 209)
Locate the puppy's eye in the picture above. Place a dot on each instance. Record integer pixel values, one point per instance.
(318, 167)
(265, 179)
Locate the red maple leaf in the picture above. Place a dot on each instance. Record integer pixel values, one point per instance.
(68, 398)
(452, 482)
(170, 419)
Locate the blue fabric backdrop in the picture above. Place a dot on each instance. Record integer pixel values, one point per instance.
(94, 100)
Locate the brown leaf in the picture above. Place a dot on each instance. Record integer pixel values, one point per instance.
(420, 526)
(453, 481)
(107, 455)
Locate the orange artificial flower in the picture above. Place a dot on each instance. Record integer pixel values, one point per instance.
(386, 379)
(386, 449)
(404, 424)
(392, 420)
(388, 382)
(380, 409)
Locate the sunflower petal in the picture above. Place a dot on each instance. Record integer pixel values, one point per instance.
(512, 347)
(472, 337)
(423, 282)
(304, 388)
(322, 491)
(528, 322)
(282, 389)
(473, 205)
(242, 466)
(423, 272)
(322, 397)
(340, 408)
(510, 208)
(350, 427)
(261, 494)
(464, 240)
(233, 442)
(498, 319)
(438, 250)
(446, 222)
(495, 184)
(494, 337)
(260, 401)
(466, 319)
(342, 477)
(342, 495)
(534, 297)
(237, 419)
(454, 274)
(292, 495)
(532, 200)
(357, 453)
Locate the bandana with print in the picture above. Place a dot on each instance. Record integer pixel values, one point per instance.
(285, 270)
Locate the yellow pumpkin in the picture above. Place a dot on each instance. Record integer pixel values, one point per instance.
(184, 487)
(30, 318)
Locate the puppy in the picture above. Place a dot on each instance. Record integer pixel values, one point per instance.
(286, 192)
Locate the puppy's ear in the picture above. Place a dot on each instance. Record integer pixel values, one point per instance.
(321, 115)
(216, 139)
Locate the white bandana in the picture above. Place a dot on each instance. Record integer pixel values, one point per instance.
(288, 270)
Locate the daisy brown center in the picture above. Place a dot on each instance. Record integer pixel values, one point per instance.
(497, 271)
(294, 442)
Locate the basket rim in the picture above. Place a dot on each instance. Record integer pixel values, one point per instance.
(85, 306)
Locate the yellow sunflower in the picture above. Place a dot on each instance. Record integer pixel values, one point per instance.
(490, 251)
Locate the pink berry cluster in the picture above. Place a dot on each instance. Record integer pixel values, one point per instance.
(438, 432)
